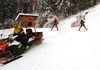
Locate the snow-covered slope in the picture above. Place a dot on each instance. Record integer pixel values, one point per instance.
(65, 49)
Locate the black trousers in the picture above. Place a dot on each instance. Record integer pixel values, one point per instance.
(54, 25)
(82, 25)
(23, 40)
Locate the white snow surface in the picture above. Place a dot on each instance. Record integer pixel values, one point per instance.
(65, 49)
(26, 15)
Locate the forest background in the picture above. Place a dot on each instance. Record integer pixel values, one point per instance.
(46, 9)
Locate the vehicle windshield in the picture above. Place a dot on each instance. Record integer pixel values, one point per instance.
(6, 33)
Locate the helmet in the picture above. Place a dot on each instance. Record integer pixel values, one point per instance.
(55, 17)
(81, 18)
(15, 24)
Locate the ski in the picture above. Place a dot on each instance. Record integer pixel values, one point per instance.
(54, 30)
(83, 30)
(11, 60)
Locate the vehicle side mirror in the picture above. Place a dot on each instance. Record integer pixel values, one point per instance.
(1, 35)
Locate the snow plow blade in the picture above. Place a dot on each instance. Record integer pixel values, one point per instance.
(8, 61)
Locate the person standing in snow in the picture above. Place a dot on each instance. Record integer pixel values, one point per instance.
(82, 24)
(55, 23)
(18, 30)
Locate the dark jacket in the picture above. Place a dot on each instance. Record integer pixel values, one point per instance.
(82, 22)
(55, 22)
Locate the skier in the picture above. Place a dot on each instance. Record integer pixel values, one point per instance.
(82, 24)
(55, 23)
(18, 30)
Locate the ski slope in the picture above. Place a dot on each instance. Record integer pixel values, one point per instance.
(65, 49)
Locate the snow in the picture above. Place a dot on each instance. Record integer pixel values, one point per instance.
(25, 15)
(65, 49)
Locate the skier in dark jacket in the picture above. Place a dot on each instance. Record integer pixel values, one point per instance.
(82, 24)
(55, 23)
(21, 35)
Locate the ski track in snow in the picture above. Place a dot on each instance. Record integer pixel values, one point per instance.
(65, 49)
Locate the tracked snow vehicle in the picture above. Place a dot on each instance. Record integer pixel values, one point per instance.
(10, 49)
